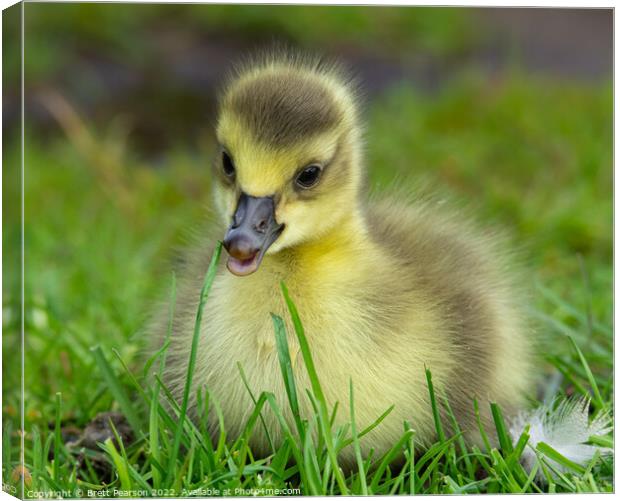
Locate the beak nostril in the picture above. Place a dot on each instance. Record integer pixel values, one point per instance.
(261, 226)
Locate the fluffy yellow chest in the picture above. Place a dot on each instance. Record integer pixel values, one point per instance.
(238, 334)
(238, 326)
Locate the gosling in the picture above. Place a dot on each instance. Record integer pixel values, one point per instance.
(384, 289)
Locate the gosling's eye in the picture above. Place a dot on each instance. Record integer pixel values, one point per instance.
(308, 177)
(227, 165)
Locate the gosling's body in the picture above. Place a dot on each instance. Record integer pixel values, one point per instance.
(383, 289)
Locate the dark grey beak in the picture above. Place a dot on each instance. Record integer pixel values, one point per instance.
(253, 230)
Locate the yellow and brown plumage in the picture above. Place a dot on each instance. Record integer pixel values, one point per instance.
(383, 288)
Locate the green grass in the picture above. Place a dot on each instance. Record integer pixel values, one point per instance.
(532, 157)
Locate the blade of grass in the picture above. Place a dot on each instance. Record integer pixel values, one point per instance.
(123, 453)
(316, 388)
(157, 355)
(436, 417)
(597, 394)
(117, 390)
(411, 452)
(370, 427)
(504, 439)
(204, 293)
(356, 442)
(305, 348)
(280, 459)
(483, 434)
(119, 464)
(513, 460)
(388, 457)
(57, 439)
(554, 455)
(154, 438)
(521, 443)
(320, 446)
(251, 422)
(504, 470)
(439, 452)
(569, 373)
(602, 441)
(154, 407)
(311, 466)
(284, 357)
(530, 478)
(595, 458)
(460, 440)
(297, 453)
(208, 453)
(244, 379)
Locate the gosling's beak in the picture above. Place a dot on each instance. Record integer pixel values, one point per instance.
(253, 230)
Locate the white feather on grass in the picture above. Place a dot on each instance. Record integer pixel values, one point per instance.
(566, 427)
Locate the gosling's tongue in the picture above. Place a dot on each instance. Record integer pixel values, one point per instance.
(243, 267)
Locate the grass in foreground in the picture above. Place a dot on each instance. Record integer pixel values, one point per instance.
(92, 257)
(173, 456)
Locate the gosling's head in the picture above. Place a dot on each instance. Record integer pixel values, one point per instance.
(289, 167)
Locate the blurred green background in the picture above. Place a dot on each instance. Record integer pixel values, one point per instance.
(506, 111)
